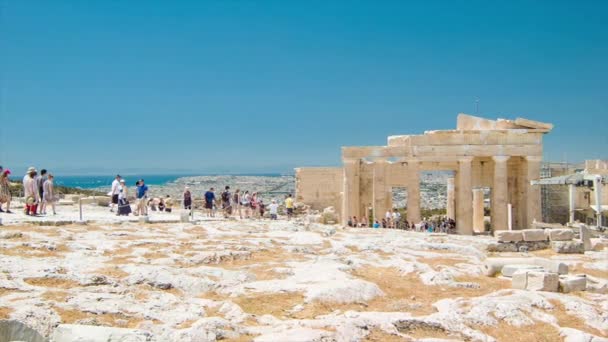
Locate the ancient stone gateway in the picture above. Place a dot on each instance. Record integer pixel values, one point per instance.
(503, 155)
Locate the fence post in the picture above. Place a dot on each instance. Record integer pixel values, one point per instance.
(80, 207)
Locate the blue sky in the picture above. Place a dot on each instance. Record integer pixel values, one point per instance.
(261, 86)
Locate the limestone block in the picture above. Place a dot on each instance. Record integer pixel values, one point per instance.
(509, 270)
(542, 281)
(586, 237)
(90, 333)
(184, 216)
(568, 247)
(492, 266)
(568, 283)
(533, 235)
(144, 219)
(559, 234)
(508, 235)
(519, 280)
(501, 247)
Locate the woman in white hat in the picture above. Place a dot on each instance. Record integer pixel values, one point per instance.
(30, 192)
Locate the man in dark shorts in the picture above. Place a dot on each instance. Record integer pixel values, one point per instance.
(226, 197)
(114, 192)
(209, 199)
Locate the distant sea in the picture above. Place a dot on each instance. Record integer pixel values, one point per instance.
(95, 182)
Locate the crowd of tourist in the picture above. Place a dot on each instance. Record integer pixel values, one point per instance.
(242, 204)
(38, 191)
(393, 220)
(39, 194)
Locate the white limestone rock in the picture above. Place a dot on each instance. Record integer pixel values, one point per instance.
(533, 235)
(568, 247)
(90, 333)
(509, 270)
(573, 283)
(559, 234)
(508, 235)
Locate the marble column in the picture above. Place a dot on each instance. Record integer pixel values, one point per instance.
(380, 193)
(533, 199)
(500, 194)
(450, 205)
(350, 197)
(571, 202)
(478, 222)
(413, 191)
(464, 212)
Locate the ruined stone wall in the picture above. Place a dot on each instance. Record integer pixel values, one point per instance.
(320, 187)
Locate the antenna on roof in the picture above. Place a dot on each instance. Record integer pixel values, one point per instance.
(476, 105)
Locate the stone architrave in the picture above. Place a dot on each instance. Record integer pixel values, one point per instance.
(500, 193)
(478, 215)
(464, 214)
(568, 247)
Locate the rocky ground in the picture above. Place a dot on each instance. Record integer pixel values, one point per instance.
(246, 280)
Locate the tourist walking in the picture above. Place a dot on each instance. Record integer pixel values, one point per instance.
(168, 204)
(115, 191)
(142, 196)
(48, 195)
(5, 190)
(236, 203)
(209, 201)
(30, 192)
(274, 210)
(40, 185)
(262, 208)
(254, 205)
(226, 206)
(124, 208)
(247, 203)
(289, 206)
(187, 199)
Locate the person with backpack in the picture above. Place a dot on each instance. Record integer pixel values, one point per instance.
(226, 202)
(209, 199)
(236, 203)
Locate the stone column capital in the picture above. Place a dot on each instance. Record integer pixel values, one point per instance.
(465, 159)
(500, 159)
(534, 158)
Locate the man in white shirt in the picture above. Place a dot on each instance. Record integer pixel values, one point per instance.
(274, 210)
(115, 192)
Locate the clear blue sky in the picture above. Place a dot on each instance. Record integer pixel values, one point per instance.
(250, 86)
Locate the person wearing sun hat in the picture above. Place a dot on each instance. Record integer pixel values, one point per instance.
(30, 191)
(5, 191)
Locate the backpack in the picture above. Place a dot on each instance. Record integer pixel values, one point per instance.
(225, 196)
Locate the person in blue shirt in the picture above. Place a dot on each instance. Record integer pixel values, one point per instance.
(209, 200)
(142, 195)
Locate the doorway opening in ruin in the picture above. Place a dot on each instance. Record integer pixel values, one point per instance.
(433, 192)
(483, 221)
